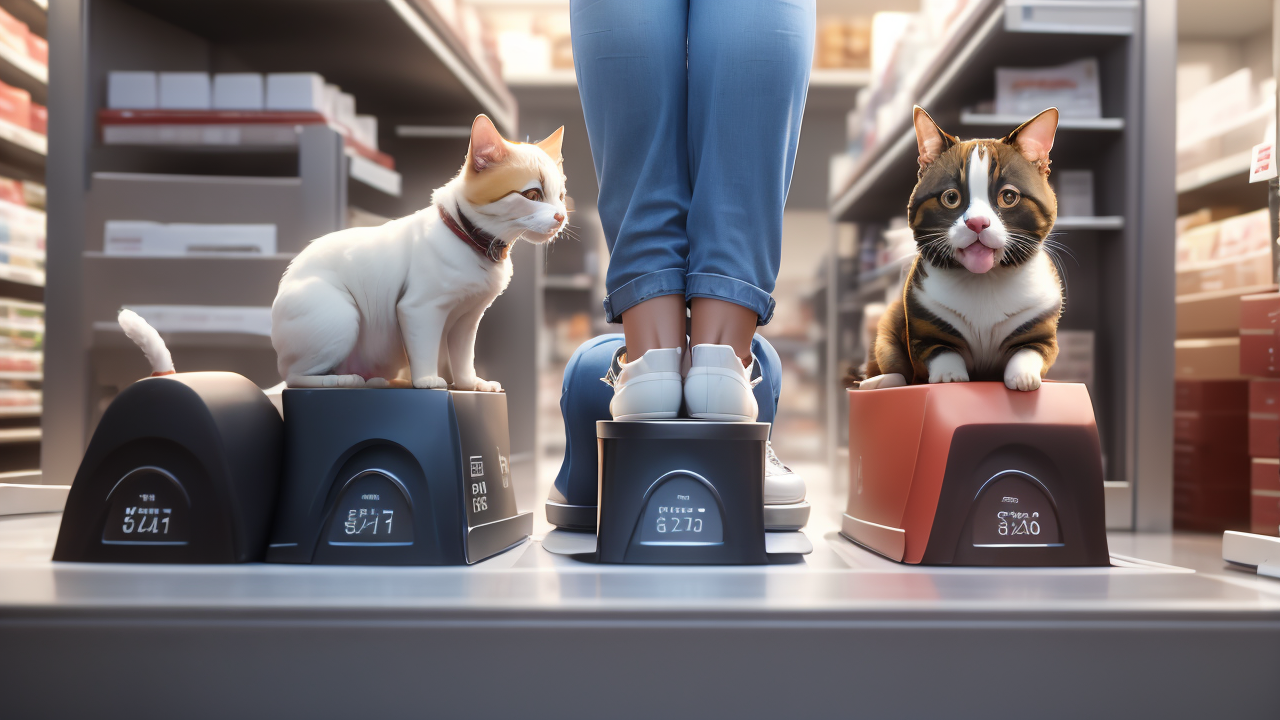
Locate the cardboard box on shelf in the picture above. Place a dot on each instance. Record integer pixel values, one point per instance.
(151, 239)
(1259, 318)
(1244, 234)
(39, 121)
(295, 92)
(185, 91)
(1264, 418)
(38, 48)
(132, 90)
(1264, 510)
(1248, 270)
(1207, 359)
(239, 91)
(14, 32)
(1072, 88)
(15, 105)
(1197, 244)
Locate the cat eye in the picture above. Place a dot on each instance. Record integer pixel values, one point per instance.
(533, 194)
(1009, 196)
(951, 198)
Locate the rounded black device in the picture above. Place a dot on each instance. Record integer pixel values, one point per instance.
(182, 468)
(395, 477)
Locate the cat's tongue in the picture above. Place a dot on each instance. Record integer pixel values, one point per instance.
(977, 258)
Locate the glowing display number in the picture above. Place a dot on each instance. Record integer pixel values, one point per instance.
(1018, 523)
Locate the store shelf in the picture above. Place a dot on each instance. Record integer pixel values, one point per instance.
(979, 43)
(440, 132)
(1223, 182)
(27, 376)
(21, 71)
(35, 13)
(20, 412)
(577, 281)
(376, 176)
(1080, 222)
(1242, 121)
(1013, 121)
(113, 281)
(552, 78)
(1230, 168)
(351, 43)
(28, 277)
(1215, 313)
(15, 436)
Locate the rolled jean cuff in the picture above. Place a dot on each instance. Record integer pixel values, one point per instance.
(645, 287)
(723, 287)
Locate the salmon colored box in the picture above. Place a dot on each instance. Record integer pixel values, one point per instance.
(15, 105)
(976, 474)
(1207, 359)
(39, 121)
(14, 32)
(38, 48)
(1264, 514)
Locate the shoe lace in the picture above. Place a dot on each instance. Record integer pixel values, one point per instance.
(772, 458)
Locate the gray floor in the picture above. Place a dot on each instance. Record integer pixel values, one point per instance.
(1168, 632)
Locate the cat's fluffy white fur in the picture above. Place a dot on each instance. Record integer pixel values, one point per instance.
(401, 303)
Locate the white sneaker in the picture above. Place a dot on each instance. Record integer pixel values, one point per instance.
(784, 505)
(718, 387)
(647, 388)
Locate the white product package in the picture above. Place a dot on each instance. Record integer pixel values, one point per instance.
(132, 90)
(150, 239)
(185, 91)
(238, 91)
(366, 131)
(1072, 88)
(295, 92)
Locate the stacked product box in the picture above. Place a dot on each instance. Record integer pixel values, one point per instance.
(22, 233)
(21, 356)
(1211, 468)
(1259, 318)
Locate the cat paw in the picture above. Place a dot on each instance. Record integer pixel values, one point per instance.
(880, 382)
(430, 382)
(488, 386)
(1023, 371)
(377, 383)
(343, 381)
(948, 367)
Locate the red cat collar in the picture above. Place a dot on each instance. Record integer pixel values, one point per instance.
(479, 240)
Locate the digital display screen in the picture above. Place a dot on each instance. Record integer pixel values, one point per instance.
(487, 483)
(1014, 511)
(682, 511)
(372, 510)
(148, 506)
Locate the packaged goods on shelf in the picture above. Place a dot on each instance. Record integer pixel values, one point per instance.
(1072, 88)
(1074, 189)
(1259, 318)
(21, 362)
(146, 238)
(1244, 271)
(15, 105)
(1230, 238)
(239, 91)
(1216, 105)
(19, 337)
(39, 121)
(1264, 492)
(33, 194)
(38, 48)
(295, 92)
(14, 33)
(22, 229)
(1264, 418)
(843, 43)
(22, 257)
(185, 91)
(1211, 462)
(130, 90)
(1075, 358)
(365, 131)
(18, 397)
(205, 318)
(1207, 359)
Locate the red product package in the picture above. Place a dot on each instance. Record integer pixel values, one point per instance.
(15, 105)
(1264, 514)
(38, 48)
(1259, 319)
(39, 121)
(14, 32)
(1264, 418)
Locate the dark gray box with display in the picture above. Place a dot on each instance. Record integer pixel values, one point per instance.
(682, 492)
(395, 477)
(181, 469)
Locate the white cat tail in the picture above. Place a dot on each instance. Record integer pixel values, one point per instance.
(148, 340)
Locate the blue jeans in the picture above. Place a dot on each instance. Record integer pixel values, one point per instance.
(693, 111)
(584, 400)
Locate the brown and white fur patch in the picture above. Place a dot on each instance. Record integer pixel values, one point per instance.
(982, 298)
(400, 304)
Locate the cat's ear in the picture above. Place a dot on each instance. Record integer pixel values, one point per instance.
(1034, 138)
(487, 146)
(931, 141)
(551, 145)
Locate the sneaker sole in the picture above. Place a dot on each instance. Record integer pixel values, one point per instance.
(786, 517)
(722, 417)
(647, 416)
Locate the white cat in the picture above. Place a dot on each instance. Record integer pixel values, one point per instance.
(400, 304)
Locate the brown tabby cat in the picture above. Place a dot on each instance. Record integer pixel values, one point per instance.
(982, 298)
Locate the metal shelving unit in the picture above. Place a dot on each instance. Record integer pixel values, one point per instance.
(1120, 282)
(403, 62)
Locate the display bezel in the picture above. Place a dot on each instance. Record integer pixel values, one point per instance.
(173, 480)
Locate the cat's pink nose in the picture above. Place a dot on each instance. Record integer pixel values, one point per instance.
(559, 217)
(977, 224)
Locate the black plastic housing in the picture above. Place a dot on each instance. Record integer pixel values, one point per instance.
(412, 460)
(205, 447)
